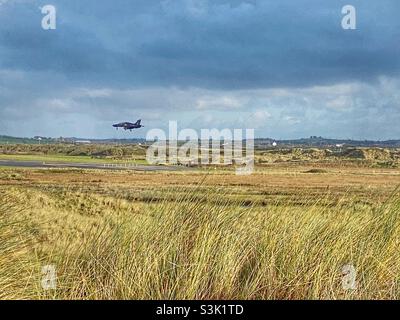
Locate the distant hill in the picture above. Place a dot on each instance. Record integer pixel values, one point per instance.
(12, 140)
(313, 141)
(323, 142)
(49, 140)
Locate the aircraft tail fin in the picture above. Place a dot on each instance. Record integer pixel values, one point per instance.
(138, 122)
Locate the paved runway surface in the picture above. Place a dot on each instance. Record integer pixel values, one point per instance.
(107, 166)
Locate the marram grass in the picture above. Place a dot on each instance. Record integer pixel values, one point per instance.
(199, 246)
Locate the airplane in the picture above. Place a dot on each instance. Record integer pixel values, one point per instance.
(128, 125)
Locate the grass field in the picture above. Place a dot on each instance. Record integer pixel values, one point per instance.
(284, 232)
(66, 159)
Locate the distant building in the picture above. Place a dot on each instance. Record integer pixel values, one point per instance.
(274, 144)
(39, 138)
(83, 142)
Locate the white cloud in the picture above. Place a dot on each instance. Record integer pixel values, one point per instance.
(339, 110)
(218, 102)
(340, 103)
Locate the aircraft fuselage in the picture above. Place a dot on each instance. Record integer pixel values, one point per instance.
(128, 125)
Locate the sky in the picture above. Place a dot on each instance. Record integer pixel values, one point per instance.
(284, 68)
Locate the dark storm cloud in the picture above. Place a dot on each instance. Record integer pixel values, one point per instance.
(209, 44)
(286, 67)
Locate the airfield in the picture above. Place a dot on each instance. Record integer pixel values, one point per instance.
(100, 166)
(106, 219)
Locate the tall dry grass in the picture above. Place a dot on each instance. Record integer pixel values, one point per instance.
(202, 246)
(18, 266)
(189, 249)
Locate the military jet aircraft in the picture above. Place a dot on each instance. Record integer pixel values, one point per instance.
(128, 125)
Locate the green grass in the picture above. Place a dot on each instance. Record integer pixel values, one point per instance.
(63, 158)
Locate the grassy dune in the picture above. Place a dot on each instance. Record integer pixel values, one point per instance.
(187, 242)
(18, 266)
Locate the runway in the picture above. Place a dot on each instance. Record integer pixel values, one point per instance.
(102, 166)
